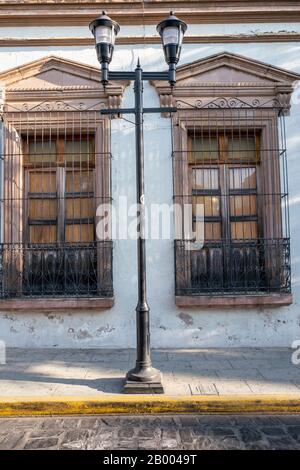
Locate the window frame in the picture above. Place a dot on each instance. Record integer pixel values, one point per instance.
(223, 164)
(65, 85)
(100, 127)
(264, 121)
(61, 168)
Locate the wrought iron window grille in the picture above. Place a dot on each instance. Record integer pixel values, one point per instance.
(230, 157)
(55, 174)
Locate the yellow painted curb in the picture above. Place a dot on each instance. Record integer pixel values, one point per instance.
(64, 405)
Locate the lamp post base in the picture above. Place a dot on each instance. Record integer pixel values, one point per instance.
(143, 387)
(143, 380)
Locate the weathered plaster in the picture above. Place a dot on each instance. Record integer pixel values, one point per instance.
(31, 32)
(170, 326)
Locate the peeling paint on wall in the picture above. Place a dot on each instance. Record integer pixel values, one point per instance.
(170, 327)
(186, 318)
(104, 330)
(55, 317)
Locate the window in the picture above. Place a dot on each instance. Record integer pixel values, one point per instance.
(54, 173)
(229, 154)
(232, 164)
(55, 177)
(60, 180)
(224, 180)
(224, 173)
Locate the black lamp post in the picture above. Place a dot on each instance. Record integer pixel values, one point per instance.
(143, 378)
(105, 31)
(171, 31)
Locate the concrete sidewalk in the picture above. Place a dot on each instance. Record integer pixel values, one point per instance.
(241, 373)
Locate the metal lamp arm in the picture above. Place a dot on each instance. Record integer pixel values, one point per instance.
(168, 76)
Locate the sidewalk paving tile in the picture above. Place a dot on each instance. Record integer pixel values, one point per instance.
(242, 374)
(102, 371)
(204, 389)
(213, 364)
(186, 356)
(232, 387)
(199, 375)
(174, 389)
(13, 388)
(251, 363)
(282, 374)
(272, 387)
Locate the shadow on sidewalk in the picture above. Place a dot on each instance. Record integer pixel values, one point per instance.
(33, 381)
(88, 372)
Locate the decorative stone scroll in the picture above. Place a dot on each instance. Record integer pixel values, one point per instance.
(241, 82)
(57, 84)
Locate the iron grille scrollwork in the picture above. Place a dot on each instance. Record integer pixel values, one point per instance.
(230, 159)
(56, 270)
(227, 268)
(55, 168)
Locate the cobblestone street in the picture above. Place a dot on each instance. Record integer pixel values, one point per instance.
(186, 432)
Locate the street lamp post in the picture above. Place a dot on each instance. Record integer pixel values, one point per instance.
(143, 378)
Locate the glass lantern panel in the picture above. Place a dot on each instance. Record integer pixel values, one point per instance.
(104, 34)
(170, 35)
(180, 36)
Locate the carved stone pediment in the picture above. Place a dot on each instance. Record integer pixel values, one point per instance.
(55, 83)
(239, 81)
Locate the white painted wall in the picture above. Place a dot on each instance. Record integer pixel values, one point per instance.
(149, 30)
(169, 328)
